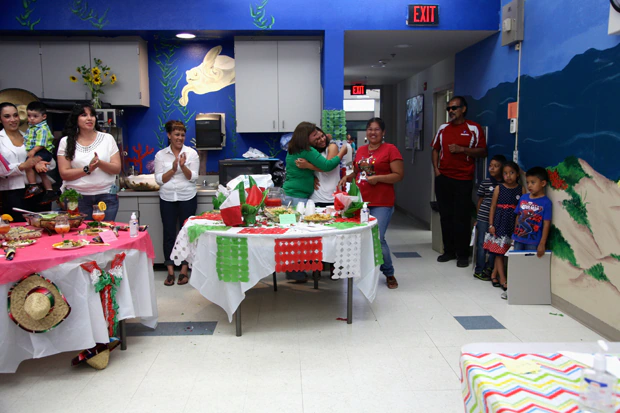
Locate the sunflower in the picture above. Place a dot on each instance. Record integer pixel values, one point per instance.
(97, 80)
(96, 72)
(73, 79)
(112, 79)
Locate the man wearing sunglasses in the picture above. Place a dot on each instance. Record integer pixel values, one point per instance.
(455, 146)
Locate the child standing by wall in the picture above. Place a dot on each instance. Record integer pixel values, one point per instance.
(484, 266)
(39, 142)
(533, 214)
(498, 240)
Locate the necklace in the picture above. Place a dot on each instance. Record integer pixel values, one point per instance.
(371, 150)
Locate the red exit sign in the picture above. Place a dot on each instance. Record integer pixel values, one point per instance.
(423, 14)
(358, 90)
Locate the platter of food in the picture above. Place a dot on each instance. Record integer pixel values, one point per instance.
(69, 244)
(318, 218)
(21, 232)
(47, 220)
(274, 213)
(19, 243)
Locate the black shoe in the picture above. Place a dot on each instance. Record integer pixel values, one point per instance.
(462, 262)
(482, 276)
(32, 190)
(446, 257)
(49, 197)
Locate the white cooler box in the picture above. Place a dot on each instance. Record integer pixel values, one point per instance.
(529, 278)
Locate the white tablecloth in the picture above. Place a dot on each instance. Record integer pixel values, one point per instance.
(85, 325)
(202, 253)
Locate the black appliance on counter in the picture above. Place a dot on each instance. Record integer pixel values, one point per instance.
(229, 169)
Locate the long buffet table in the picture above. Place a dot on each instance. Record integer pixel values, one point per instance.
(86, 324)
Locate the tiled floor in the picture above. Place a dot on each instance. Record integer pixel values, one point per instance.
(400, 354)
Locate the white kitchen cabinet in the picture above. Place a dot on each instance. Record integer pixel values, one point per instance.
(128, 60)
(20, 66)
(59, 60)
(278, 84)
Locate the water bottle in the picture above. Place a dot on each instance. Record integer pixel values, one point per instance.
(133, 225)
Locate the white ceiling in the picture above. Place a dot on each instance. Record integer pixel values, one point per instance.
(364, 48)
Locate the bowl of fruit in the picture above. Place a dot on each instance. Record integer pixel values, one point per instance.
(47, 220)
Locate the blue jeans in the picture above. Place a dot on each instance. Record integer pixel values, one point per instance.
(520, 246)
(85, 204)
(383, 215)
(482, 262)
(294, 275)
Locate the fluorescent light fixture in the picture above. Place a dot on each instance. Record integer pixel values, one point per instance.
(186, 36)
(402, 46)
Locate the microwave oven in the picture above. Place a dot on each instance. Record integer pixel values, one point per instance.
(229, 169)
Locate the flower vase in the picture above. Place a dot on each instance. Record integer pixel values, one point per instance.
(96, 102)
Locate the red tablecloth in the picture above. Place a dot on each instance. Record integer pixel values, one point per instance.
(41, 255)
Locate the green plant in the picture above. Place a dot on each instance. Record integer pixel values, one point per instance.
(70, 195)
(560, 247)
(597, 272)
(576, 208)
(80, 9)
(258, 16)
(164, 59)
(24, 18)
(95, 79)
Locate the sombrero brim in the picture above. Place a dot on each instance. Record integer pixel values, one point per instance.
(17, 298)
(20, 98)
(96, 354)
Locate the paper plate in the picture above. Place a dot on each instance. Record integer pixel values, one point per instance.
(66, 246)
(20, 243)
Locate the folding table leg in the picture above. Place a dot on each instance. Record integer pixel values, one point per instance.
(349, 300)
(315, 276)
(238, 320)
(275, 282)
(123, 334)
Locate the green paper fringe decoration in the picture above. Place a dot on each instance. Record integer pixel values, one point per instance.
(376, 246)
(196, 231)
(232, 259)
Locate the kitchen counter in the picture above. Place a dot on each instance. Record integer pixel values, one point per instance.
(146, 204)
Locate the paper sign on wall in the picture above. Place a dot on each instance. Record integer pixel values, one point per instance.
(513, 112)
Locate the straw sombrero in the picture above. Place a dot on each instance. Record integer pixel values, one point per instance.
(36, 304)
(97, 357)
(20, 98)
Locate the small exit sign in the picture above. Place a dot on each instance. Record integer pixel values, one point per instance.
(423, 14)
(358, 90)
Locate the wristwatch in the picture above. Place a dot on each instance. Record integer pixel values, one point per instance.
(87, 170)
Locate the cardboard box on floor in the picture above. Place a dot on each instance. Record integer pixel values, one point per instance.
(529, 278)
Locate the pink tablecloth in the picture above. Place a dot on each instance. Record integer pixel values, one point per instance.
(41, 255)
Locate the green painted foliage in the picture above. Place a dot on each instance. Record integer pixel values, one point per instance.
(164, 59)
(274, 147)
(259, 17)
(560, 247)
(616, 256)
(597, 272)
(570, 171)
(24, 18)
(576, 208)
(88, 14)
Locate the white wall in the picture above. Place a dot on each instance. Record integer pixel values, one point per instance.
(413, 193)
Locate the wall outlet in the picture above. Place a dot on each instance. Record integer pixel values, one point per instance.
(513, 125)
(515, 156)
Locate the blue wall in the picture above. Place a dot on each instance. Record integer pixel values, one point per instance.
(231, 17)
(569, 86)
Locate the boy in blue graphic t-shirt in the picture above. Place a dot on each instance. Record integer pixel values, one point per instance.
(533, 214)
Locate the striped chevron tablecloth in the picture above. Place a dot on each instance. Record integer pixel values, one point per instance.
(488, 385)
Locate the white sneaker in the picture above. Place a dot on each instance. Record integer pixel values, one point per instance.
(505, 295)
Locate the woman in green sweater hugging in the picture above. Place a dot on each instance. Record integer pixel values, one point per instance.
(299, 183)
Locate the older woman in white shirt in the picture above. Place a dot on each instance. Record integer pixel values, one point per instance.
(176, 171)
(14, 162)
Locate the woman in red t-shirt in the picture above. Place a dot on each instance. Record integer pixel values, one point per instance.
(378, 166)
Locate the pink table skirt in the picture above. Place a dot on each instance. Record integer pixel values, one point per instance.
(41, 255)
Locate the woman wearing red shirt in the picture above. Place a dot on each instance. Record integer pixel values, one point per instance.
(378, 166)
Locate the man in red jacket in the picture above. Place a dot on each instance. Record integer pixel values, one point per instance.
(455, 146)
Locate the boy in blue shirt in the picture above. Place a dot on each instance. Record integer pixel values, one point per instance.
(39, 142)
(533, 220)
(484, 266)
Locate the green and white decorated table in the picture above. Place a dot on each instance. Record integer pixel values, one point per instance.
(228, 261)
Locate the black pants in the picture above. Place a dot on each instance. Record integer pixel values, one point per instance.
(15, 198)
(455, 206)
(173, 215)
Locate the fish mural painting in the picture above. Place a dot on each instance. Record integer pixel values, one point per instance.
(213, 74)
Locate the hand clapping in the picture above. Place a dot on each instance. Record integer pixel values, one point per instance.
(182, 159)
(94, 163)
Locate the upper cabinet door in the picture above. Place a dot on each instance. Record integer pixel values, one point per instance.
(299, 83)
(20, 66)
(127, 59)
(60, 59)
(256, 86)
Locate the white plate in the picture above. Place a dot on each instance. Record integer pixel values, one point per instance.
(20, 243)
(58, 246)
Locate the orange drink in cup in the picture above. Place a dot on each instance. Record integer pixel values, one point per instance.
(99, 211)
(5, 223)
(62, 225)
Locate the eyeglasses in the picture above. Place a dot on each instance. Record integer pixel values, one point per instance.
(449, 108)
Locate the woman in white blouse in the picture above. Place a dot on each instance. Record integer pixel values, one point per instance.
(88, 161)
(13, 163)
(176, 171)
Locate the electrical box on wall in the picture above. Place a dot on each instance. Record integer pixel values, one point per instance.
(512, 22)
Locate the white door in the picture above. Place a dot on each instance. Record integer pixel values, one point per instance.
(23, 69)
(59, 60)
(256, 86)
(299, 85)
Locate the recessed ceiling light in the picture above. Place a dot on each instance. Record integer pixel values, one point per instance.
(186, 36)
(402, 46)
